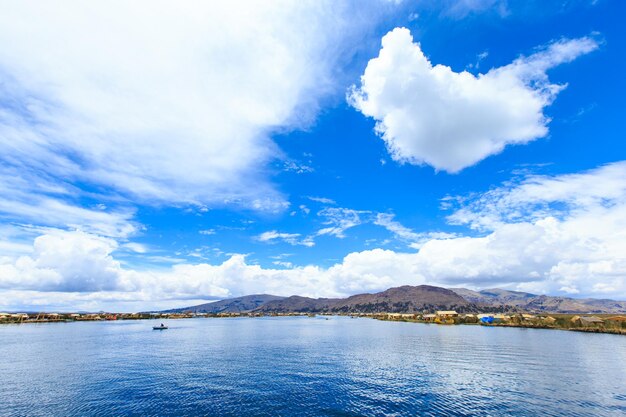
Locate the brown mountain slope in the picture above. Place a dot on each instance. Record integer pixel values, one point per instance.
(231, 305)
(522, 301)
(404, 299)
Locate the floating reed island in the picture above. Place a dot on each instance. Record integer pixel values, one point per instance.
(601, 323)
(46, 317)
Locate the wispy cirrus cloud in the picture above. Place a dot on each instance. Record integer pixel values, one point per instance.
(290, 238)
(322, 200)
(414, 239)
(175, 104)
(459, 9)
(387, 221)
(532, 197)
(338, 220)
(38, 200)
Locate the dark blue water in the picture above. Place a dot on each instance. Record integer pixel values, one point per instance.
(307, 366)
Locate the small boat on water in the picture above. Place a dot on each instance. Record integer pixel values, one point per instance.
(161, 327)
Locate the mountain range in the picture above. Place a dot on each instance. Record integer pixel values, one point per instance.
(412, 299)
(537, 303)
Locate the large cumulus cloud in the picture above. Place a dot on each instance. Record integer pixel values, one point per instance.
(430, 114)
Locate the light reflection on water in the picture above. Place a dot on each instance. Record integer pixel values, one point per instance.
(307, 366)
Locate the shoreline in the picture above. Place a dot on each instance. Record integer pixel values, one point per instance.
(558, 321)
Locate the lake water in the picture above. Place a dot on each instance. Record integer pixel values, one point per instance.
(306, 366)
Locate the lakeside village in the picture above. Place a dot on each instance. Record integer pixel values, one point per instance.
(601, 323)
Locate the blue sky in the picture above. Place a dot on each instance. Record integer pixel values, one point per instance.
(152, 157)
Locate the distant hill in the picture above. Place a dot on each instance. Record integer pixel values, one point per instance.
(405, 299)
(494, 296)
(231, 305)
(540, 303)
(412, 299)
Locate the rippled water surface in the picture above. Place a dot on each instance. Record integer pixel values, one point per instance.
(307, 366)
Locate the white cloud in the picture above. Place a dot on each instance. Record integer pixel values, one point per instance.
(135, 247)
(432, 115)
(479, 58)
(415, 240)
(387, 221)
(273, 234)
(207, 232)
(34, 199)
(53, 212)
(162, 102)
(291, 238)
(284, 264)
(339, 220)
(78, 271)
(297, 167)
(322, 200)
(549, 234)
(534, 197)
(64, 261)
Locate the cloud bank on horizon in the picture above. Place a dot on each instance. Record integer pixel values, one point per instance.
(578, 248)
(156, 156)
